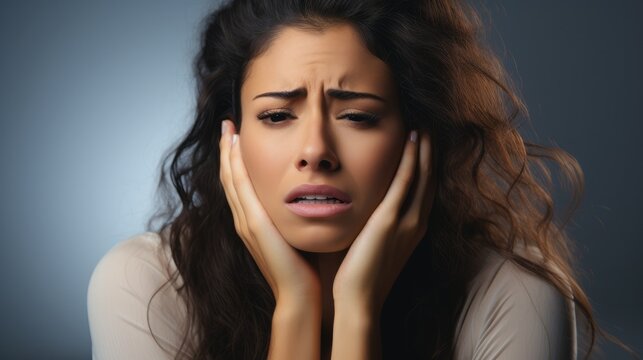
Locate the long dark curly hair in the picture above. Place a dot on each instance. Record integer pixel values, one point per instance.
(493, 188)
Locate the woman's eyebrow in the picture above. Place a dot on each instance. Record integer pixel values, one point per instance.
(334, 93)
(291, 94)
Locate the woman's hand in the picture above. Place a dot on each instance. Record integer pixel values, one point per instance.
(379, 253)
(382, 248)
(289, 275)
(296, 322)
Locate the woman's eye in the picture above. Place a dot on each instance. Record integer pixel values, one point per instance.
(360, 117)
(275, 116)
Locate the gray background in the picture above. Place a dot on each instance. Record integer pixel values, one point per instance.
(93, 92)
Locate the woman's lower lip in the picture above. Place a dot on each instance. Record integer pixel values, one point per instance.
(311, 210)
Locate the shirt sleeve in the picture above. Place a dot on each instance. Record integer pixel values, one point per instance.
(126, 321)
(513, 314)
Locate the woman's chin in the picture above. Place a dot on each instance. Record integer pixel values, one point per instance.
(320, 241)
(319, 236)
(320, 247)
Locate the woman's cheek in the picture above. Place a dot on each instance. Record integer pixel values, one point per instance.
(374, 170)
(264, 168)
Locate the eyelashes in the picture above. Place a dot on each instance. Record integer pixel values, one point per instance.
(360, 117)
(275, 116)
(280, 115)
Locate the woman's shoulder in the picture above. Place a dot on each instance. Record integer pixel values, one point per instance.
(512, 313)
(133, 306)
(139, 262)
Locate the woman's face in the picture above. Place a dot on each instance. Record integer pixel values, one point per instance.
(321, 134)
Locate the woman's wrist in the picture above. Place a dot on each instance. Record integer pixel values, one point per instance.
(288, 308)
(296, 330)
(356, 332)
(363, 306)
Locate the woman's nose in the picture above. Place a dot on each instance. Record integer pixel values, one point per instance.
(317, 149)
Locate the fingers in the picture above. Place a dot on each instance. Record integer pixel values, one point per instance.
(251, 219)
(422, 198)
(228, 142)
(225, 144)
(404, 176)
(428, 186)
(234, 175)
(225, 174)
(245, 191)
(415, 165)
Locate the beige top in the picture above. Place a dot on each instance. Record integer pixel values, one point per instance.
(509, 313)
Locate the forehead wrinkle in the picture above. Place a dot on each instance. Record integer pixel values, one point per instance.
(311, 80)
(316, 69)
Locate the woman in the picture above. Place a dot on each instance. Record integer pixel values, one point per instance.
(367, 196)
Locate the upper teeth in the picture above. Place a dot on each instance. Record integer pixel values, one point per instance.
(316, 197)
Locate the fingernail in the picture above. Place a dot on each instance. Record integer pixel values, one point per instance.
(234, 138)
(224, 127)
(413, 136)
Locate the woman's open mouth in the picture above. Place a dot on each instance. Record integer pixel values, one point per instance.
(315, 201)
